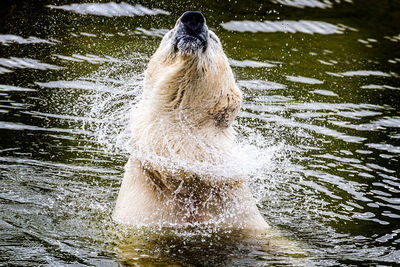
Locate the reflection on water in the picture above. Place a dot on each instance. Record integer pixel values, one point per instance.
(207, 247)
(301, 79)
(320, 122)
(111, 9)
(23, 63)
(287, 26)
(310, 3)
(7, 39)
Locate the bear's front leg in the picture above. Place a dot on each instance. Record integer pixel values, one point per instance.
(139, 202)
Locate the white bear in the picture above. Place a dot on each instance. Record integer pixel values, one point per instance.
(181, 171)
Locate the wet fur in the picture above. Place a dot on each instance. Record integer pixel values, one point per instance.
(189, 103)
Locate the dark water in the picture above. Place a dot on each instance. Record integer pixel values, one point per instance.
(321, 112)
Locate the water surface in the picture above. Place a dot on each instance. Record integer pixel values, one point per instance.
(320, 118)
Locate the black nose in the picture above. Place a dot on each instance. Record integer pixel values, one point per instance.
(193, 21)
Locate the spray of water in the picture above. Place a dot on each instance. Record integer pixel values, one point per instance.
(258, 155)
(110, 110)
(113, 112)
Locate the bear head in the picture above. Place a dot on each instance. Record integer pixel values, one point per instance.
(190, 75)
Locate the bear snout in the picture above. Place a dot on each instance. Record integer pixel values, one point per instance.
(193, 21)
(191, 33)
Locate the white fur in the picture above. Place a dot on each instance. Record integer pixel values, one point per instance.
(184, 167)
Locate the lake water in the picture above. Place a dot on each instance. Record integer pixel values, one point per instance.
(320, 118)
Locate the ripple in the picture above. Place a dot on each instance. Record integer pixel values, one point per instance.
(336, 158)
(395, 38)
(10, 88)
(385, 147)
(395, 136)
(389, 121)
(22, 63)
(324, 92)
(385, 238)
(358, 110)
(381, 124)
(18, 126)
(376, 86)
(368, 216)
(303, 26)
(326, 63)
(380, 168)
(88, 58)
(111, 9)
(79, 168)
(88, 34)
(250, 63)
(260, 85)
(364, 73)
(37, 114)
(78, 84)
(7, 39)
(309, 3)
(152, 32)
(394, 60)
(368, 42)
(314, 128)
(365, 152)
(4, 70)
(352, 188)
(301, 79)
(319, 188)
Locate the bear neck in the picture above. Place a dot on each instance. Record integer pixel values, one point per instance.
(188, 86)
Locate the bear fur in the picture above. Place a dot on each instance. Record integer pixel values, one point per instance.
(182, 169)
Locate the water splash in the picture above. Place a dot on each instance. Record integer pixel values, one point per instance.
(112, 111)
(112, 108)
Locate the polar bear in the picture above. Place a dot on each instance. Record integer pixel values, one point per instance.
(182, 170)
